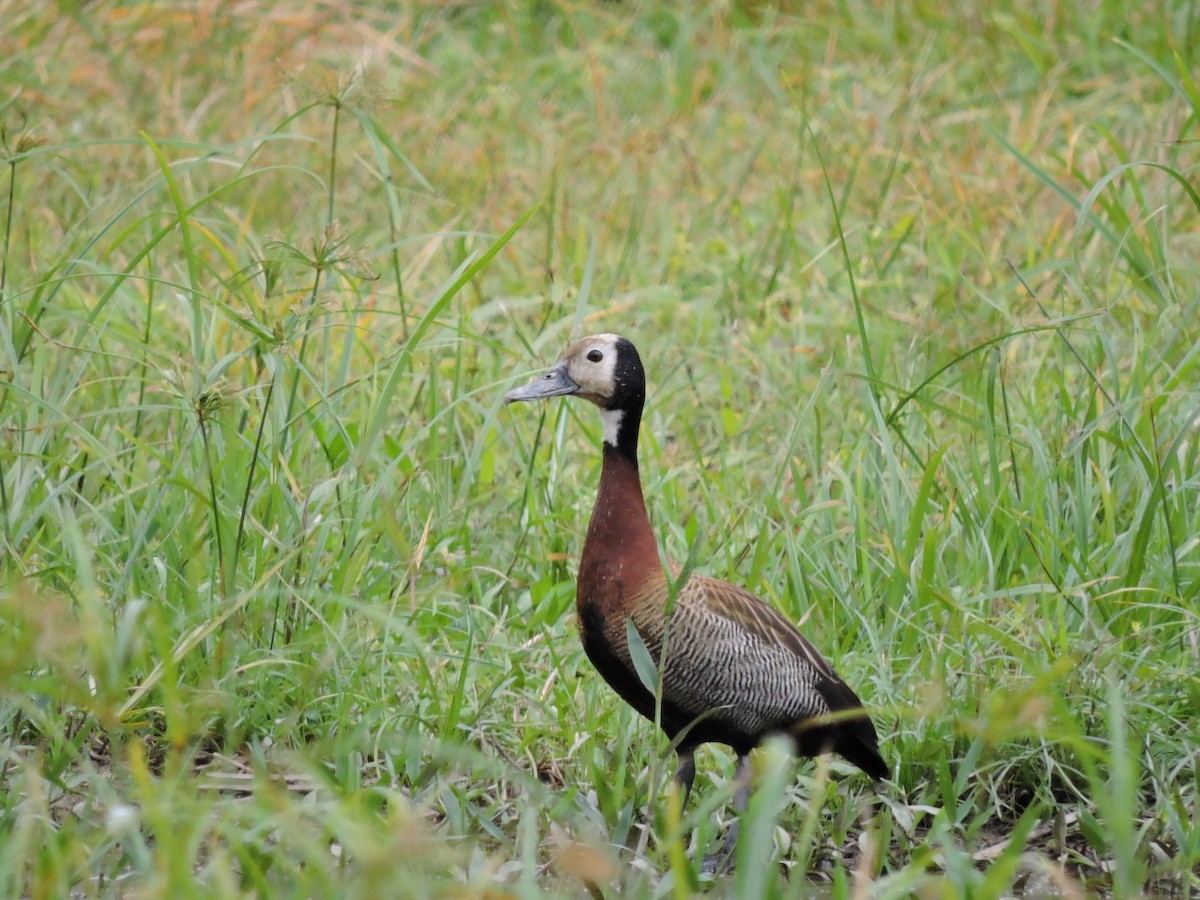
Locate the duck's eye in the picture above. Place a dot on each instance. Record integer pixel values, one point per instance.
(595, 355)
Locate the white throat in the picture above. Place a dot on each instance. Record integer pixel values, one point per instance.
(612, 424)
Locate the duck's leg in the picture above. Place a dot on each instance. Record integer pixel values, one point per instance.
(686, 773)
(723, 860)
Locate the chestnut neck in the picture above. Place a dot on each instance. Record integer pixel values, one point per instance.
(620, 531)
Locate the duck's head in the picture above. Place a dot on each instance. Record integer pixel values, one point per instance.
(604, 369)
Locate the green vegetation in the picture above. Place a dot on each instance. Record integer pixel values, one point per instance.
(286, 603)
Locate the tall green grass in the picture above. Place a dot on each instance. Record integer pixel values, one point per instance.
(287, 594)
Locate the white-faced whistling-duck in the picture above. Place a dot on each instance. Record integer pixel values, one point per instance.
(735, 671)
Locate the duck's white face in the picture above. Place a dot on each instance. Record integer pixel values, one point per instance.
(587, 370)
(592, 364)
(604, 369)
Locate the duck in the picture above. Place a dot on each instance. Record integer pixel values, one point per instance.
(736, 671)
